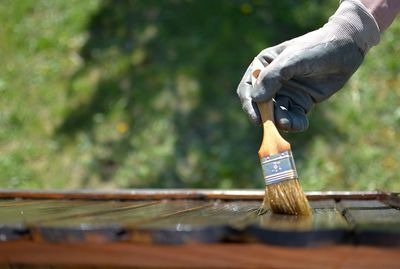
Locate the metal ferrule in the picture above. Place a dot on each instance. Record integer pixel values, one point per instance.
(278, 167)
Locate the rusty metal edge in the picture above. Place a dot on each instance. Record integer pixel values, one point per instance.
(159, 194)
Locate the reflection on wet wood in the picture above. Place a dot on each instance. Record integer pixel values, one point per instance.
(236, 214)
(184, 233)
(23, 212)
(131, 216)
(170, 213)
(41, 211)
(174, 220)
(320, 219)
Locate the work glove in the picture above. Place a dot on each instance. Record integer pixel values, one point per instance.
(309, 69)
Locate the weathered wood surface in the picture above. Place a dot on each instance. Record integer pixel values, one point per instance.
(373, 222)
(41, 223)
(204, 220)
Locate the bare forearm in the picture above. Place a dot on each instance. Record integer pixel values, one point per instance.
(384, 11)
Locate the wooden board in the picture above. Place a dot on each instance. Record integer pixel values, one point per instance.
(39, 224)
(325, 226)
(194, 256)
(181, 220)
(373, 222)
(170, 221)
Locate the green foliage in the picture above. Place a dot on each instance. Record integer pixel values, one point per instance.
(118, 94)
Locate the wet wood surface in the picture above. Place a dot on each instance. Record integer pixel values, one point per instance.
(175, 220)
(38, 223)
(64, 213)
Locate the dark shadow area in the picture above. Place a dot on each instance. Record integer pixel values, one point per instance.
(174, 65)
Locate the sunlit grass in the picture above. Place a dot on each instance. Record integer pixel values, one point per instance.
(142, 94)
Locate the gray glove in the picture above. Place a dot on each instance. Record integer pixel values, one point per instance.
(310, 68)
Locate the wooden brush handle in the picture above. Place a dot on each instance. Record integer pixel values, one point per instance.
(272, 142)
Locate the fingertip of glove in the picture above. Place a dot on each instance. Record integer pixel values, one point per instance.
(284, 124)
(251, 112)
(292, 126)
(291, 122)
(255, 119)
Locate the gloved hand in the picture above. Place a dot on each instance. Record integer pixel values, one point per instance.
(310, 68)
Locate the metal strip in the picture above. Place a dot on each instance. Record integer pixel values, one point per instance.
(278, 167)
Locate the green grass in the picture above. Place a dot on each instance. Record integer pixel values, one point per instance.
(103, 94)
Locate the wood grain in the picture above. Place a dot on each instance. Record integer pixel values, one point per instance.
(374, 218)
(347, 204)
(33, 212)
(373, 222)
(178, 221)
(133, 216)
(233, 213)
(197, 256)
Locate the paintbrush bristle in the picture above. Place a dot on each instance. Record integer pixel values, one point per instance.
(285, 198)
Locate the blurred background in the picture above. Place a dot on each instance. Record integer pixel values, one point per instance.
(137, 94)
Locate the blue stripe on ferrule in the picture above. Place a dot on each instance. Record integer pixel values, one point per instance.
(278, 167)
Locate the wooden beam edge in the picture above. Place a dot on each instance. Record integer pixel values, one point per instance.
(159, 194)
(197, 255)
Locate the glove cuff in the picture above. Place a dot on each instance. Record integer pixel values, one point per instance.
(353, 18)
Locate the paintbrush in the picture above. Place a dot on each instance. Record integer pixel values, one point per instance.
(283, 193)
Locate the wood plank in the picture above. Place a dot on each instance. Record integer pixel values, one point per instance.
(325, 226)
(218, 222)
(345, 205)
(379, 227)
(374, 214)
(180, 221)
(96, 209)
(15, 216)
(198, 256)
(373, 222)
(133, 216)
(172, 221)
(20, 219)
(374, 218)
(115, 224)
(233, 213)
(325, 216)
(241, 213)
(38, 211)
(63, 211)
